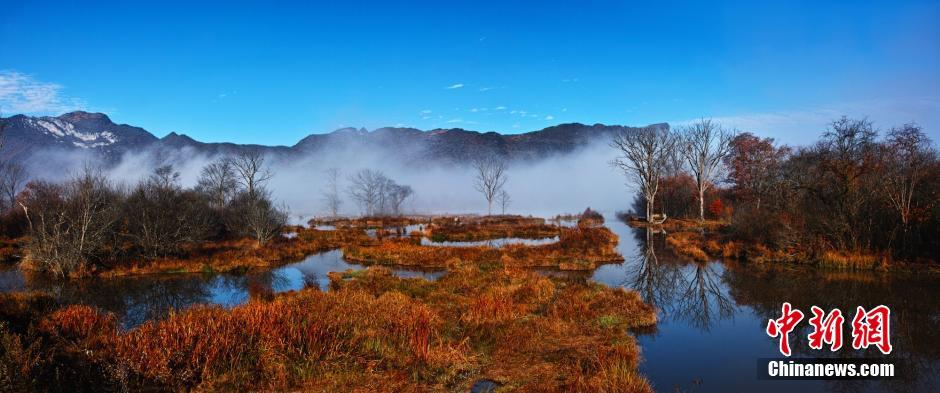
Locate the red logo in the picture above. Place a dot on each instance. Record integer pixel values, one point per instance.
(872, 328)
(868, 328)
(783, 326)
(826, 330)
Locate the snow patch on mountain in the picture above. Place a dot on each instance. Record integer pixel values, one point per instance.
(63, 129)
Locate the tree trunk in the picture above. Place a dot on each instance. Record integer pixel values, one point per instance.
(701, 205)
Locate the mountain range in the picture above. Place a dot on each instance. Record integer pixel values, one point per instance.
(95, 133)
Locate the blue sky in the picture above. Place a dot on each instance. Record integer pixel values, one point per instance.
(259, 73)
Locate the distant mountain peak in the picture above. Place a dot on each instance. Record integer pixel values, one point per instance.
(95, 132)
(64, 129)
(78, 116)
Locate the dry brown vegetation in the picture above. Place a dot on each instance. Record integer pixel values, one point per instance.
(490, 227)
(10, 250)
(372, 331)
(245, 254)
(371, 222)
(486, 319)
(577, 249)
(710, 240)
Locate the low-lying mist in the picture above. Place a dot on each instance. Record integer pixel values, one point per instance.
(558, 183)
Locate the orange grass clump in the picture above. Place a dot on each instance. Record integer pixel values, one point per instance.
(491, 227)
(267, 341)
(531, 332)
(372, 331)
(577, 249)
(687, 244)
(849, 260)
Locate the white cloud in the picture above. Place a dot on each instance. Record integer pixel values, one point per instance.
(426, 111)
(454, 86)
(500, 108)
(21, 93)
(549, 117)
(456, 120)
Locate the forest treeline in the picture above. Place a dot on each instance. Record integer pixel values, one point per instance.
(853, 190)
(90, 221)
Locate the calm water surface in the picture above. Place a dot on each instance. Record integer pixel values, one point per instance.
(136, 299)
(713, 316)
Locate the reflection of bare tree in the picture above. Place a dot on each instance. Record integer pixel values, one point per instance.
(703, 299)
(654, 281)
(687, 292)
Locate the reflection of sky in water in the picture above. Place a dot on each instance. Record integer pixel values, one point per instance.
(136, 299)
(564, 223)
(227, 291)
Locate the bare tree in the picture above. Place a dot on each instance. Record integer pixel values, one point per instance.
(704, 145)
(12, 174)
(218, 181)
(376, 194)
(165, 177)
(490, 178)
(256, 216)
(643, 157)
(12, 179)
(397, 194)
(331, 194)
(251, 170)
(908, 157)
(70, 225)
(504, 200)
(161, 217)
(365, 187)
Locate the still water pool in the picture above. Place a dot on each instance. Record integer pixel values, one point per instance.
(711, 315)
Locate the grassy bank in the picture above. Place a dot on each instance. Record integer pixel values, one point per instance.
(711, 240)
(577, 249)
(372, 331)
(236, 255)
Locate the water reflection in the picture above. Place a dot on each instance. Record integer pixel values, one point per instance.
(688, 291)
(137, 299)
(713, 315)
